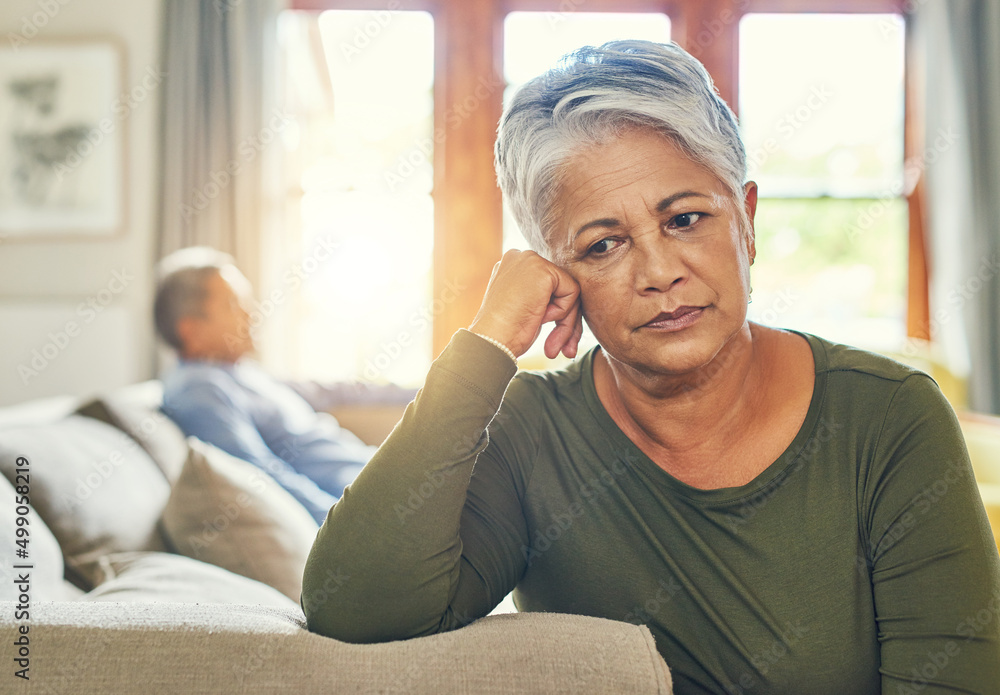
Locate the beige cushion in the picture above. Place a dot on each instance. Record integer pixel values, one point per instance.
(168, 578)
(41, 548)
(94, 487)
(92, 648)
(230, 513)
(157, 434)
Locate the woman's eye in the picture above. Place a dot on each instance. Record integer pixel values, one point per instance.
(602, 247)
(685, 219)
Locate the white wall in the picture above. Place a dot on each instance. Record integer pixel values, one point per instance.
(46, 285)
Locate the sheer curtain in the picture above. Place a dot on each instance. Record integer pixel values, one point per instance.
(960, 41)
(220, 127)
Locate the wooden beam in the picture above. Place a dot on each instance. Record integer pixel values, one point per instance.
(571, 6)
(710, 31)
(918, 306)
(369, 5)
(825, 6)
(468, 220)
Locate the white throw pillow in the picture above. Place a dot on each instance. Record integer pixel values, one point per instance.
(227, 512)
(30, 544)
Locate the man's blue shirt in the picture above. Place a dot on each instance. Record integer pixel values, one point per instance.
(244, 411)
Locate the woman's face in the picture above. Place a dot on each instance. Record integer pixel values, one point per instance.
(656, 244)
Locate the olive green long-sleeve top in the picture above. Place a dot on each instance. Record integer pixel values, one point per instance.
(860, 561)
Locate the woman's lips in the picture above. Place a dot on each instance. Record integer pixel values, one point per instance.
(675, 320)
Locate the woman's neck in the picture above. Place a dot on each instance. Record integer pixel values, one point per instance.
(682, 415)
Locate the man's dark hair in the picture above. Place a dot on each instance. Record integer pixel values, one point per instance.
(181, 288)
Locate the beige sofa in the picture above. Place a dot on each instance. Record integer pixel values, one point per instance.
(155, 564)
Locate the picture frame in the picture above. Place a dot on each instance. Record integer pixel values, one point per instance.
(62, 140)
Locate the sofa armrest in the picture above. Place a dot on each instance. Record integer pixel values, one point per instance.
(368, 410)
(84, 648)
(371, 423)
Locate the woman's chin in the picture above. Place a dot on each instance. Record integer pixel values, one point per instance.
(657, 355)
(661, 362)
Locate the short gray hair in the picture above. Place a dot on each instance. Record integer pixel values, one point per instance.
(597, 93)
(180, 288)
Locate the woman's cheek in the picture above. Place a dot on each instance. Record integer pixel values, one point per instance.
(592, 305)
(605, 301)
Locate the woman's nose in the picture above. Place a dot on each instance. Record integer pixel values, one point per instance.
(659, 266)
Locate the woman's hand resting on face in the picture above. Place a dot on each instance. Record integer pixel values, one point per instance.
(525, 292)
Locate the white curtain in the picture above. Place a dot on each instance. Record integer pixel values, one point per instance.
(960, 44)
(220, 129)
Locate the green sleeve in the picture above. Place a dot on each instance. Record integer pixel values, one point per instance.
(391, 560)
(934, 564)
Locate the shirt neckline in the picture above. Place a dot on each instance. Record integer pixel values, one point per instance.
(620, 441)
(230, 366)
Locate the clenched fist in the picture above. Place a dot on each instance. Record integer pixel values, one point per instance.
(525, 292)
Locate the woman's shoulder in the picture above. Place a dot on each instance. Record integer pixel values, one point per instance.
(867, 387)
(832, 357)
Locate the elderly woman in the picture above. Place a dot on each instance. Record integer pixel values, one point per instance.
(785, 514)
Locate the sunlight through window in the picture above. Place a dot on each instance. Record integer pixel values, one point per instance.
(821, 110)
(362, 170)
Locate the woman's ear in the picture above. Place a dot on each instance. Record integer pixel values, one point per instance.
(750, 206)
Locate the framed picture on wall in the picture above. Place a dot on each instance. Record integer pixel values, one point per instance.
(62, 140)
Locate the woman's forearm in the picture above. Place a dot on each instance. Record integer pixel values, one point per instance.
(386, 563)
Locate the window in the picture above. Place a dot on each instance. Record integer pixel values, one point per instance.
(359, 183)
(839, 252)
(826, 148)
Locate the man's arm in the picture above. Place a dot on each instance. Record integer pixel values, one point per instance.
(208, 412)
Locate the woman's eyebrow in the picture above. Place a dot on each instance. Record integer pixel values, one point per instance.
(660, 207)
(670, 200)
(603, 222)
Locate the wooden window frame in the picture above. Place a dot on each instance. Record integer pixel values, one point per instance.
(468, 99)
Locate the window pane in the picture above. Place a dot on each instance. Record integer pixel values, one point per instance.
(533, 43)
(361, 86)
(821, 103)
(836, 268)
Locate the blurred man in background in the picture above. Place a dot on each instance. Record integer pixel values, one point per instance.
(202, 310)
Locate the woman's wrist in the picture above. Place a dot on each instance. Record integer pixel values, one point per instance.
(497, 331)
(497, 343)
